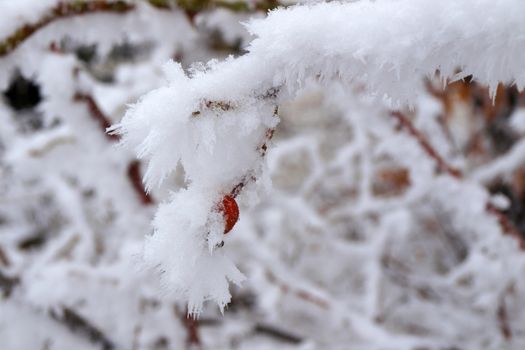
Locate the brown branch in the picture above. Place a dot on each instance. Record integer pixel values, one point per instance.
(507, 226)
(226, 106)
(261, 328)
(277, 333)
(83, 7)
(81, 326)
(442, 165)
(59, 11)
(191, 325)
(97, 114)
(262, 151)
(193, 7)
(236, 190)
(134, 167)
(136, 181)
(4, 260)
(299, 293)
(7, 284)
(503, 319)
(223, 106)
(503, 315)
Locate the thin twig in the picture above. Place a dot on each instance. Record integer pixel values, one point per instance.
(80, 325)
(507, 226)
(191, 325)
(193, 7)
(443, 166)
(96, 113)
(299, 293)
(7, 284)
(104, 123)
(136, 181)
(216, 106)
(277, 333)
(59, 11)
(83, 7)
(236, 190)
(4, 260)
(503, 319)
(261, 328)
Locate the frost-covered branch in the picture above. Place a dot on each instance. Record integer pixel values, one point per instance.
(373, 228)
(59, 11)
(95, 112)
(192, 328)
(216, 146)
(442, 165)
(81, 326)
(193, 7)
(71, 8)
(507, 226)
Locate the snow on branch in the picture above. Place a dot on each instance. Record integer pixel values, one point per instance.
(55, 10)
(506, 225)
(214, 121)
(61, 10)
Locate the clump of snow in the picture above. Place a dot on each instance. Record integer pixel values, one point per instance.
(179, 250)
(176, 124)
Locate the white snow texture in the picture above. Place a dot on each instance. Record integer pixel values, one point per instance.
(387, 47)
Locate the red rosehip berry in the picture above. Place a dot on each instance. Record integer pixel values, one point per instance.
(230, 211)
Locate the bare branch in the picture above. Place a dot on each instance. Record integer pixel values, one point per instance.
(191, 324)
(96, 113)
(4, 260)
(136, 180)
(277, 333)
(443, 166)
(80, 325)
(300, 293)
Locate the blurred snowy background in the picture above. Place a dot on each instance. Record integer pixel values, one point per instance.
(381, 230)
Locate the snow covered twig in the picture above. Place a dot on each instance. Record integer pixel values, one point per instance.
(292, 47)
